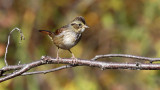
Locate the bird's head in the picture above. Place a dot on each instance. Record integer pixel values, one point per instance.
(79, 24)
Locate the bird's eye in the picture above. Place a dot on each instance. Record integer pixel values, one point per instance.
(80, 24)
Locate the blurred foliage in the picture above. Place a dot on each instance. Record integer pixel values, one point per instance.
(116, 26)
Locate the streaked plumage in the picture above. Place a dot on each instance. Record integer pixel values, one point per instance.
(69, 35)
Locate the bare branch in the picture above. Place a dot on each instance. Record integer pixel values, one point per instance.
(21, 70)
(48, 71)
(45, 71)
(126, 56)
(22, 38)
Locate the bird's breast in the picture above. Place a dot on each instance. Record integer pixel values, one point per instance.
(69, 40)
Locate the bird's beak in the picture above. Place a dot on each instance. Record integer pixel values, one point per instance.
(85, 26)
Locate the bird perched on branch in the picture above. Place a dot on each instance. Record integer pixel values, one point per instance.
(69, 35)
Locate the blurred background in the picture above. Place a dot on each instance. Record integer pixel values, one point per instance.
(116, 26)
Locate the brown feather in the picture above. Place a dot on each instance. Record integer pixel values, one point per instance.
(80, 18)
(58, 31)
(58, 41)
(46, 32)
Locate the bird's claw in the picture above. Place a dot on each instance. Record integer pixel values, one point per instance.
(74, 60)
(58, 59)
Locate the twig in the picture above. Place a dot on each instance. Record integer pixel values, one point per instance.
(45, 71)
(48, 71)
(22, 38)
(126, 56)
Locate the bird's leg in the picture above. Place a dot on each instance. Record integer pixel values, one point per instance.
(73, 57)
(58, 58)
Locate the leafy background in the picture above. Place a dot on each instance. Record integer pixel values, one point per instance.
(116, 26)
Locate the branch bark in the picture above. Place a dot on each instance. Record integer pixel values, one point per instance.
(21, 70)
(127, 56)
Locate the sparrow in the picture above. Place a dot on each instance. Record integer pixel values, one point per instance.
(69, 35)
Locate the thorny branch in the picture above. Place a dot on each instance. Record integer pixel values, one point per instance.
(21, 69)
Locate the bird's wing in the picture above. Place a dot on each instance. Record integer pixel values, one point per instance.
(58, 31)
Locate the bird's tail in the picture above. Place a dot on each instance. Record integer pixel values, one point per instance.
(49, 33)
(46, 32)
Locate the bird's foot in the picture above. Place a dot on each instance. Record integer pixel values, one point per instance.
(58, 58)
(74, 60)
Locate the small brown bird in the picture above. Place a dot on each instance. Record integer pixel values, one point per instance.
(69, 35)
